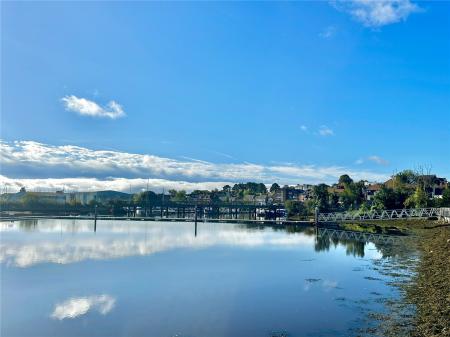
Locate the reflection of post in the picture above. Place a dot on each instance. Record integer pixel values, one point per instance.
(195, 229)
(195, 214)
(95, 219)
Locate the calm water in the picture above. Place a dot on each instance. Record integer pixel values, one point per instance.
(59, 278)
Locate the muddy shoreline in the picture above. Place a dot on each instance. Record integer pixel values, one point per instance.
(430, 288)
(423, 308)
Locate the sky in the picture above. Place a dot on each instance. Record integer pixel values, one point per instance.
(187, 95)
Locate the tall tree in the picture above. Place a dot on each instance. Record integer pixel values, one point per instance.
(321, 196)
(274, 188)
(417, 200)
(345, 180)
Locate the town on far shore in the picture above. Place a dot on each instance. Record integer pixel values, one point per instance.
(406, 189)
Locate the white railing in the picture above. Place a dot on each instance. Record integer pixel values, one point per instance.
(392, 214)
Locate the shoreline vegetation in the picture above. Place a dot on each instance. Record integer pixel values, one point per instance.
(430, 287)
(427, 291)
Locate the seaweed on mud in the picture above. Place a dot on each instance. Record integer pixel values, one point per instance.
(418, 273)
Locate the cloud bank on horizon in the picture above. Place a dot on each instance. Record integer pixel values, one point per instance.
(42, 166)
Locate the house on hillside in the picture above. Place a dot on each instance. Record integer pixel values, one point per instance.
(371, 190)
(433, 185)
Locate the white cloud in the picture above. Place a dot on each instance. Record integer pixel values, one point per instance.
(304, 128)
(328, 32)
(86, 107)
(79, 306)
(378, 160)
(78, 168)
(378, 13)
(115, 184)
(325, 131)
(375, 159)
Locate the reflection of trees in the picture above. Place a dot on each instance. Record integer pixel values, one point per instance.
(397, 246)
(353, 247)
(405, 248)
(290, 229)
(322, 244)
(28, 225)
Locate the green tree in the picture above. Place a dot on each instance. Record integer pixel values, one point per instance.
(334, 201)
(179, 196)
(405, 181)
(294, 208)
(321, 196)
(310, 206)
(226, 189)
(364, 207)
(144, 198)
(274, 188)
(262, 189)
(417, 200)
(445, 201)
(353, 195)
(345, 180)
(388, 198)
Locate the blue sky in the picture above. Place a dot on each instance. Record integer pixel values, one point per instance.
(206, 92)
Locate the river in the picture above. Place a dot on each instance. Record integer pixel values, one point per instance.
(137, 278)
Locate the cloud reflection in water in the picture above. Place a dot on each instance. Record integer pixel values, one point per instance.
(124, 240)
(78, 306)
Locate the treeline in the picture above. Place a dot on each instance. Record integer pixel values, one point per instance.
(406, 189)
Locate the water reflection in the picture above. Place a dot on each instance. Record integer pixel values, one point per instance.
(76, 241)
(170, 279)
(354, 241)
(354, 248)
(79, 306)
